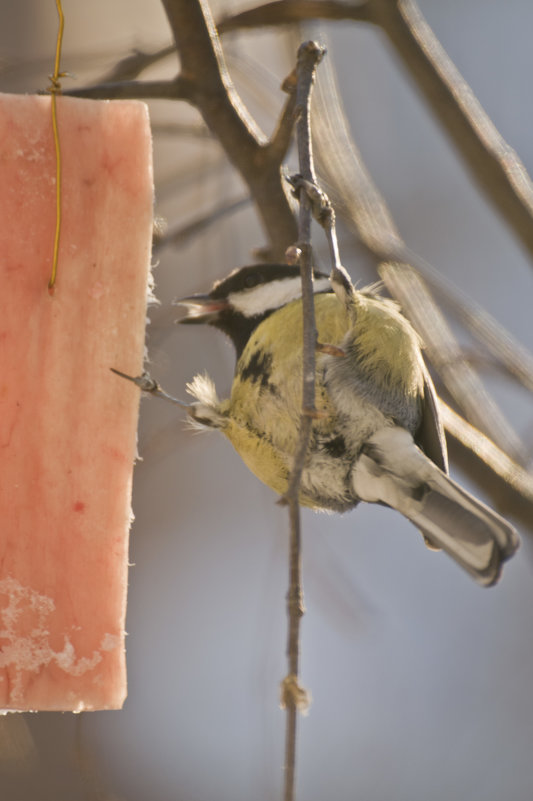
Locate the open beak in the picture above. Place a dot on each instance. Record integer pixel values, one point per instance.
(200, 308)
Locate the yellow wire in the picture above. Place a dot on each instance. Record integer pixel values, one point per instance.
(59, 40)
(55, 89)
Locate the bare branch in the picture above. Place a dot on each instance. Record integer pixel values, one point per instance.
(212, 90)
(511, 355)
(446, 355)
(177, 89)
(309, 55)
(199, 131)
(213, 93)
(493, 163)
(281, 138)
(283, 12)
(499, 478)
(512, 473)
(205, 83)
(341, 165)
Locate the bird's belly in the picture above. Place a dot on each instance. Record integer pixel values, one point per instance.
(265, 407)
(264, 425)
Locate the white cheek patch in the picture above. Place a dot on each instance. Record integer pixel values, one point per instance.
(272, 295)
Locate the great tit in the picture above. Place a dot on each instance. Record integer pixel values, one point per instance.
(377, 436)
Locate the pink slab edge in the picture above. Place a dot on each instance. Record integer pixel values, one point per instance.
(67, 424)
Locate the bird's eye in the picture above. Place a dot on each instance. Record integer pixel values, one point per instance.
(252, 280)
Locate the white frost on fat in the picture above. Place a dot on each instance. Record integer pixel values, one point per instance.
(27, 647)
(66, 660)
(31, 153)
(110, 642)
(272, 295)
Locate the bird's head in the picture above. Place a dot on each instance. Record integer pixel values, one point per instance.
(238, 303)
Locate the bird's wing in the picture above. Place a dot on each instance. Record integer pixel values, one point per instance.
(430, 436)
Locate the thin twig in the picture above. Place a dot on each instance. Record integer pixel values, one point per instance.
(309, 55)
(177, 89)
(281, 138)
(193, 173)
(129, 67)
(177, 236)
(147, 384)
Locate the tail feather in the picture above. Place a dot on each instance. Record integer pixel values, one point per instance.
(392, 470)
(471, 533)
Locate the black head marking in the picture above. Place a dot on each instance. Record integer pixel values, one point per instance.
(238, 321)
(251, 276)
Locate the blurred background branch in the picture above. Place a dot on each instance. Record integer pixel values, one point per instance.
(492, 162)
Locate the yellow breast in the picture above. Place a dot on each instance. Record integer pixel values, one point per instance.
(265, 405)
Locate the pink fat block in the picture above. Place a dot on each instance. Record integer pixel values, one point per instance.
(67, 423)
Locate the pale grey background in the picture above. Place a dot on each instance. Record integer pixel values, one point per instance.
(421, 681)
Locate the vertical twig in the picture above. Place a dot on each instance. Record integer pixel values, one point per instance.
(294, 697)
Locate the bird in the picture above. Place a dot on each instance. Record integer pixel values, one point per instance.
(376, 435)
